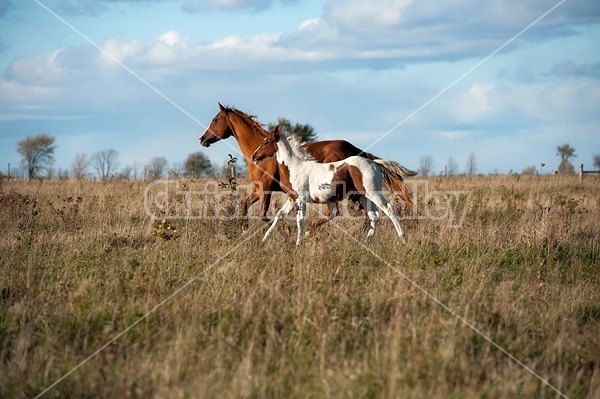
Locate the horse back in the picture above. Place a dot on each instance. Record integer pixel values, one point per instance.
(334, 150)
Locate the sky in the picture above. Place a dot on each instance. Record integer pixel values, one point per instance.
(507, 81)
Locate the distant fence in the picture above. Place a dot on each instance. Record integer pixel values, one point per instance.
(585, 172)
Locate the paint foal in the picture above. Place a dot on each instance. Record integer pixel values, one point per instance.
(313, 182)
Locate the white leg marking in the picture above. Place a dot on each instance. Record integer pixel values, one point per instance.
(372, 215)
(388, 209)
(285, 209)
(300, 220)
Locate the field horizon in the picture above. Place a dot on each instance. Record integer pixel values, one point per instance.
(500, 301)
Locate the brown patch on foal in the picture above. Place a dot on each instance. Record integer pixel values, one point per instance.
(357, 178)
(347, 178)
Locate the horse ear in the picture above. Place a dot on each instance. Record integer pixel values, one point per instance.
(276, 133)
(222, 108)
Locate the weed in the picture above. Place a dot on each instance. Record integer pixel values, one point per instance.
(164, 230)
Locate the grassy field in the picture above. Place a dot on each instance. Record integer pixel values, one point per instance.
(196, 308)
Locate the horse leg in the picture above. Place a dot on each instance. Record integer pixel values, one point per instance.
(355, 198)
(285, 209)
(251, 199)
(371, 215)
(264, 207)
(387, 208)
(301, 205)
(254, 196)
(265, 201)
(331, 212)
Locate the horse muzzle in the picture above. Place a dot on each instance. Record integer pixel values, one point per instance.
(204, 142)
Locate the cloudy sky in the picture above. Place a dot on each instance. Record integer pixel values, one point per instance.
(404, 79)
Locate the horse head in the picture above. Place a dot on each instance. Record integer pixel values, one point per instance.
(268, 148)
(219, 128)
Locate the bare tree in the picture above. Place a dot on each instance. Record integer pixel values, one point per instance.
(471, 166)
(451, 167)
(126, 172)
(80, 166)
(37, 153)
(566, 152)
(425, 165)
(176, 170)
(156, 168)
(62, 174)
(105, 162)
(135, 168)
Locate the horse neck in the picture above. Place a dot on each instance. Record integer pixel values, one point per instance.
(285, 154)
(247, 137)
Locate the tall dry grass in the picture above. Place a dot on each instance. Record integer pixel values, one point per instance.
(80, 262)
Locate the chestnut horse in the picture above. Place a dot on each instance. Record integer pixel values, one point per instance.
(314, 182)
(267, 177)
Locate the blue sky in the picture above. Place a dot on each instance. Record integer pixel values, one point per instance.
(353, 69)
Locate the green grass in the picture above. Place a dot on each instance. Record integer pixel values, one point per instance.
(80, 262)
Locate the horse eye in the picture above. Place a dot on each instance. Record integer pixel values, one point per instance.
(215, 120)
(265, 141)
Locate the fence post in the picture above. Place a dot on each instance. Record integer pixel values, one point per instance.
(581, 174)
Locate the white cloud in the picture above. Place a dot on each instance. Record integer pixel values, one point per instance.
(349, 34)
(97, 7)
(475, 105)
(360, 15)
(556, 102)
(44, 69)
(310, 23)
(495, 108)
(230, 5)
(262, 42)
(170, 38)
(353, 74)
(358, 33)
(120, 51)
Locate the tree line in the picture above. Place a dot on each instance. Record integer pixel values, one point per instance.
(451, 168)
(37, 159)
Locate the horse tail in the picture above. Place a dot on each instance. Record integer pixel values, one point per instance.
(393, 181)
(395, 167)
(368, 155)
